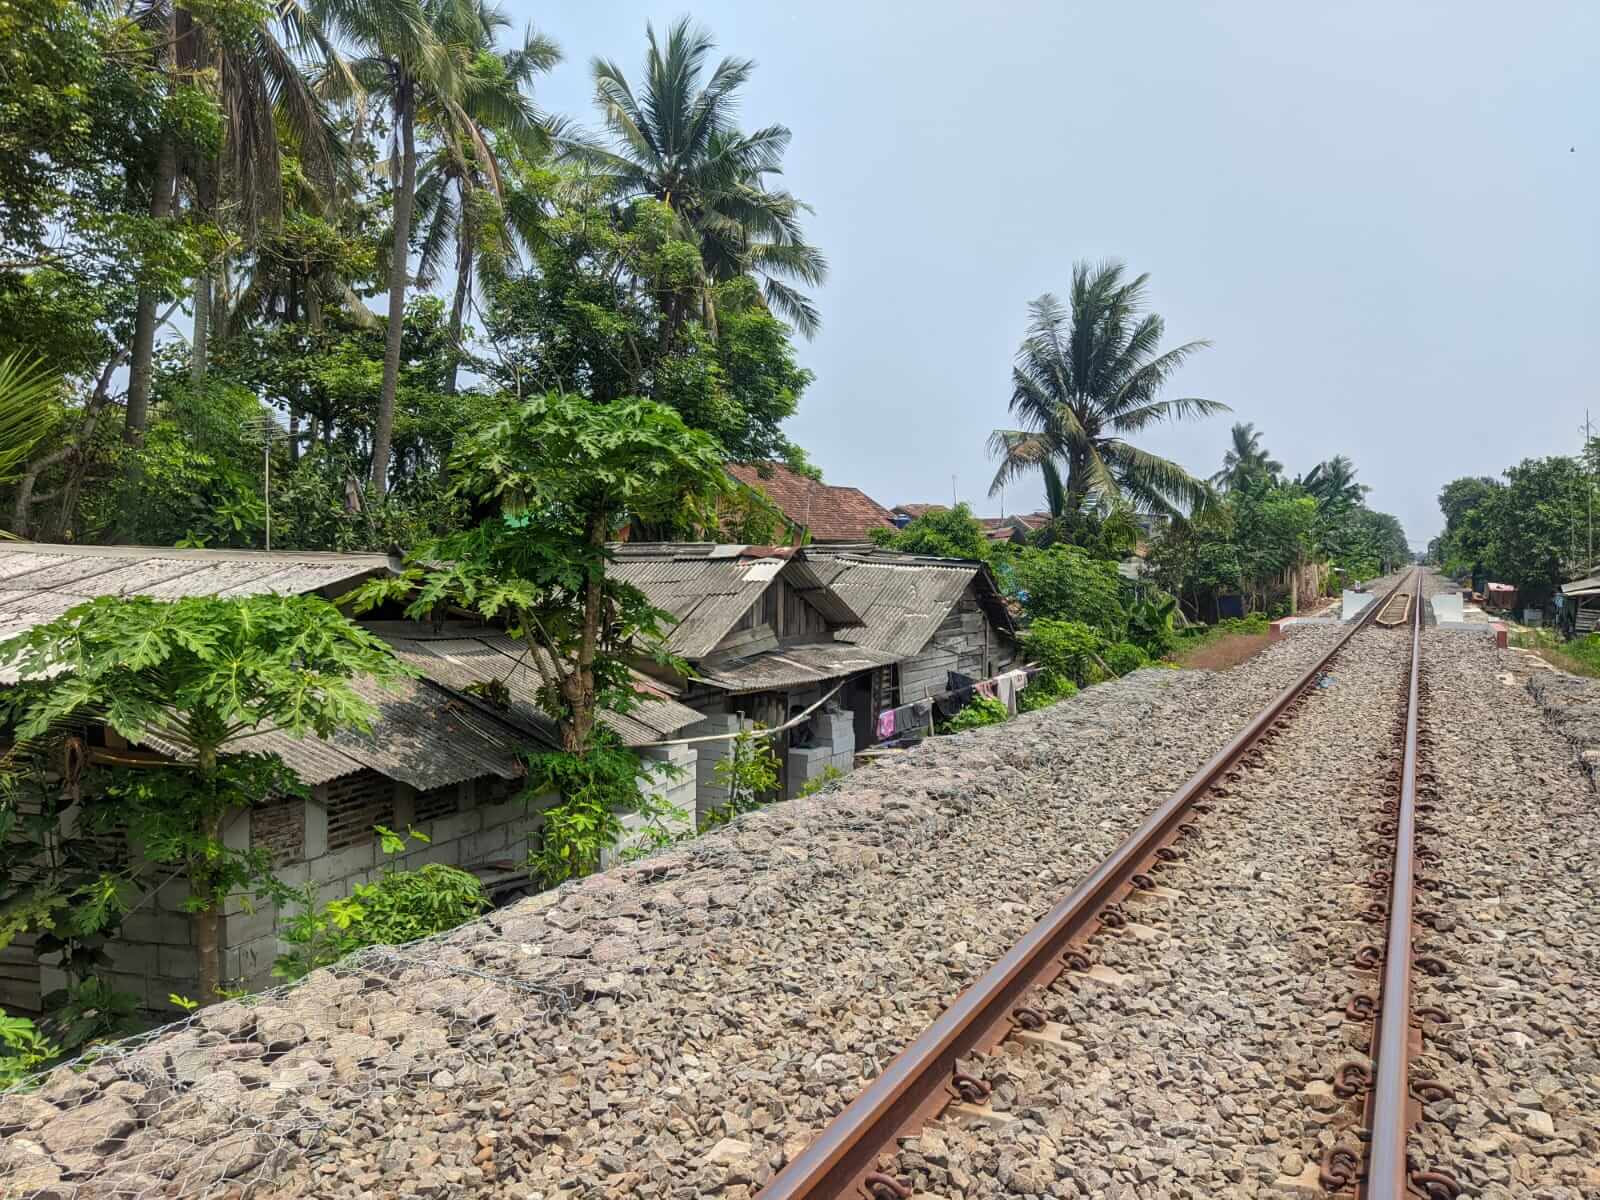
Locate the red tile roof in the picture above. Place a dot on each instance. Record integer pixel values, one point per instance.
(918, 510)
(832, 514)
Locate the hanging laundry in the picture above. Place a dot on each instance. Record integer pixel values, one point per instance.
(987, 688)
(886, 724)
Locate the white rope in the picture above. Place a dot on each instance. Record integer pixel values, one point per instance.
(726, 737)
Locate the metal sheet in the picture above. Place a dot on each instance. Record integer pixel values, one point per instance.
(792, 666)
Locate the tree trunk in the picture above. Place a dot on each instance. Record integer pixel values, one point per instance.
(208, 921)
(578, 727)
(202, 329)
(144, 319)
(466, 238)
(399, 262)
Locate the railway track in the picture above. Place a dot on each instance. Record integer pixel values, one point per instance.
(856, 1154)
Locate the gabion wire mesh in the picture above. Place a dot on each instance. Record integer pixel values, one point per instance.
(259, 1097)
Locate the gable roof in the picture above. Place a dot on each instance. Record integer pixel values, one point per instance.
(904, 598)
(708, 586)
(919, 510)
(830, 513)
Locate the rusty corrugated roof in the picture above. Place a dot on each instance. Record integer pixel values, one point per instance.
(829, 512)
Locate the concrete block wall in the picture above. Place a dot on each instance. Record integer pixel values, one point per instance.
(676, 785)
(834, 736)
(710, 791)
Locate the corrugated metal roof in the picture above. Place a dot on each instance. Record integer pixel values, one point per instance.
(460, 657)
(708, 586)
(903, 598)
(1578, 587)
(792, 666)
(40, 581)
(422, 736)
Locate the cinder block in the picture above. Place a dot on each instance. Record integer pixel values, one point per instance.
(354, 860)
(177, 962)
(244, 927)
(448, 829)
(510, 810)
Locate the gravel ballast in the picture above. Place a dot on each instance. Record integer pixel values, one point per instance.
(672, 1027)
(1206, 1070)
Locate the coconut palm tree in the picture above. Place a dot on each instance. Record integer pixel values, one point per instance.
(1333, 484)
(460, 199)
(402, 61)
(677, 140)
(1088, 375)
(1246, 459)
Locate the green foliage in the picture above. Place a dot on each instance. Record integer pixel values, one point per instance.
(1150, 624)
(199, 673)
(1064, 583)
(564, 474)
(620, 308)
(1123, 657)
(400, 906)
(1043, 691)
(24, 1051)
(811, 787)
(978, 712)
(88, 1010)
(1087, 376)
(1066, 652)
(749, 772)
(598, 787)
(943, 532)
(28, 410)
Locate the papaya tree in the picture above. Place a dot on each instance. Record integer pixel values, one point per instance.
(193, 677)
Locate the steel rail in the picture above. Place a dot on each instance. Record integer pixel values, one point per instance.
(1389, 1103)
(917, 1082)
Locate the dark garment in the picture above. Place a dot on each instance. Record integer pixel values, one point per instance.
(952, 702)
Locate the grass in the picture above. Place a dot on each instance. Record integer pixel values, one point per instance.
(1581, 656)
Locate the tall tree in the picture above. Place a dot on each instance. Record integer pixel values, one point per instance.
(403, 61)
(1333, 484)
(461, 202)
(1246, 459)
(1088, 375)
(677, 140)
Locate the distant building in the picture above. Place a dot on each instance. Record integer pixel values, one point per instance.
(827, 512)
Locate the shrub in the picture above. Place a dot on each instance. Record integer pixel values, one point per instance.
(1067, 652)
(1125, 657)
(980, 711)
(400, 907)
(23, 1050)
(1042, 693)
(1066, 584)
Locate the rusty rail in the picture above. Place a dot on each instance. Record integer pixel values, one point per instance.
(1390, 1108)
(922, 1078)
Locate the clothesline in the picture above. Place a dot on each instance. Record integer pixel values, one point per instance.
(917, 716)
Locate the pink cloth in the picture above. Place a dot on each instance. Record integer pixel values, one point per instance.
(987, 688)
(886, 724)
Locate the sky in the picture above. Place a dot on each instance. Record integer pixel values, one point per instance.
(1383, 216)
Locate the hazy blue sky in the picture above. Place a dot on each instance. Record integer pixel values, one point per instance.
(1383, 215)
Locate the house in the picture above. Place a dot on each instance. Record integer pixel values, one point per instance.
(933, 615)
(445, 756)
(765, 639)
(827, 512)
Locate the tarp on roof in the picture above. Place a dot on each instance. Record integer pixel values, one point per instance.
(792, 667)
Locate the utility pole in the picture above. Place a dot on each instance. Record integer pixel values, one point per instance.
(1588, 491)
(953, 501)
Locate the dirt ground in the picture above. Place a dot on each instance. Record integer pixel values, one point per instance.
(1229, 650)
